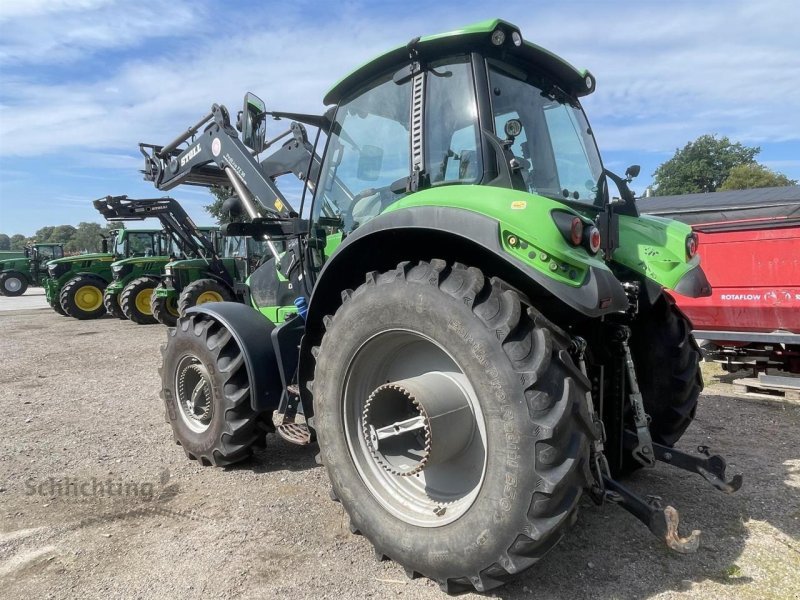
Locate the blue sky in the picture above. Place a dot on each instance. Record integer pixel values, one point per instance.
(83, 81)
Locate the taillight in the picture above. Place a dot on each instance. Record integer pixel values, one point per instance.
(593, 239)
(576, 231)
(691, 245)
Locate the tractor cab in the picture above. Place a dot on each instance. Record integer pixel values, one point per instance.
(42, 253)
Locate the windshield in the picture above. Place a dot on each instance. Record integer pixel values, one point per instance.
(138, 243)
(555, 147)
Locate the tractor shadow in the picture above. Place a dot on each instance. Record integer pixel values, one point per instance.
(609, 554)
(279, 455)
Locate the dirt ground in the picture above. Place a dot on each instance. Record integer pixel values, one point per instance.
(97, 501)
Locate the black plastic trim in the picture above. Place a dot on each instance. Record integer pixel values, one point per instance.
(694, 284)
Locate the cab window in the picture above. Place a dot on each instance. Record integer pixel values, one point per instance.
(451, 123)
(368, 151)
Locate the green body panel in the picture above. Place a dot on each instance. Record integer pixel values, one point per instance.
(655, 247)
(97, 264)
(519, 215)
(276, 314)
(133, 268)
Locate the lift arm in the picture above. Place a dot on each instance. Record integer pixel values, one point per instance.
(218, 157)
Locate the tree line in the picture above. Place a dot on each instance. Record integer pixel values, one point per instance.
(86, 237)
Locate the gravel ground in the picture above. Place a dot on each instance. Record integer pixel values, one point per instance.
(81, 412)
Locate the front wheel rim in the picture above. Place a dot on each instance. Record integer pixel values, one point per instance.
(13, 284)
(422, 458)
(194, 394)
(209, 296)
(88, 298)
(143, 301)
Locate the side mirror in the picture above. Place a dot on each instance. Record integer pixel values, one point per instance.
(370, 160)
(253, 122)
(632, 171)
(104, 245)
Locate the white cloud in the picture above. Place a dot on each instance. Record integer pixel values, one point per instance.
(667, 72)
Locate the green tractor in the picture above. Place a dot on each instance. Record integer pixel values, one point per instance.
(129, 294)
(75, 284)
(19, 272)
(213, 276)
(472, 328)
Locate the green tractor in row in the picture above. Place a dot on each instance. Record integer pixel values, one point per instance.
(471, 326)
(130, 293)
(75, 284)
(18, 271)
(215, 277)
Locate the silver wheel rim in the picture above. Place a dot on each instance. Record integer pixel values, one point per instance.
(194, 394)
(414, 428)
(13, 284)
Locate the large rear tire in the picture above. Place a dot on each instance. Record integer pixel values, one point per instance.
(453, 423)
(111, 302)
(13, 283)
(206, 392)
(202, 291)
(82, 297)
(135, 300)
(165, 309)
(667, 360)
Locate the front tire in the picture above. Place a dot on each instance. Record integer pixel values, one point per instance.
(206, 392)
(510, 383)
(667, 360)
(82, 297)
(13, 283)
(111, 302)
(165, 309)
(202, 291)
(135, 300)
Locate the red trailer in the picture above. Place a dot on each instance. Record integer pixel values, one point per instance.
(749, 244)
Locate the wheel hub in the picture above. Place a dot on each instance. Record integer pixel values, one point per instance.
(13, 284)
(194, 394)
(417, 422)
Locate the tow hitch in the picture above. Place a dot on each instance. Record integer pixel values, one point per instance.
(663, 521)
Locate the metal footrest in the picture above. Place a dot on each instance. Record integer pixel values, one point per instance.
(295, 433)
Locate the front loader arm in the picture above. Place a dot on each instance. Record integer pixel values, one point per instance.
(173, 217)
(215, 157)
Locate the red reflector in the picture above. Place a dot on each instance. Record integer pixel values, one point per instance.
(594, 240)
(576, 231)
(691, 245)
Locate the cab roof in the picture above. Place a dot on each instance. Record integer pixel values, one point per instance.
(471, 37)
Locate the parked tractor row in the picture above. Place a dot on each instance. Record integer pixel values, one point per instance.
(466, 311)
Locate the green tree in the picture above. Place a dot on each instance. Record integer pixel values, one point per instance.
(5, 242)
(18, 241)
(44, 234)
(701, 165)
(220, 194)
(746, 177)
(87, 237)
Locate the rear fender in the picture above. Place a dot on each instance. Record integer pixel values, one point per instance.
(252, 333)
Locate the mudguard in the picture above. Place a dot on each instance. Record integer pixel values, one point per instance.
(252, 333)
(597, 294)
